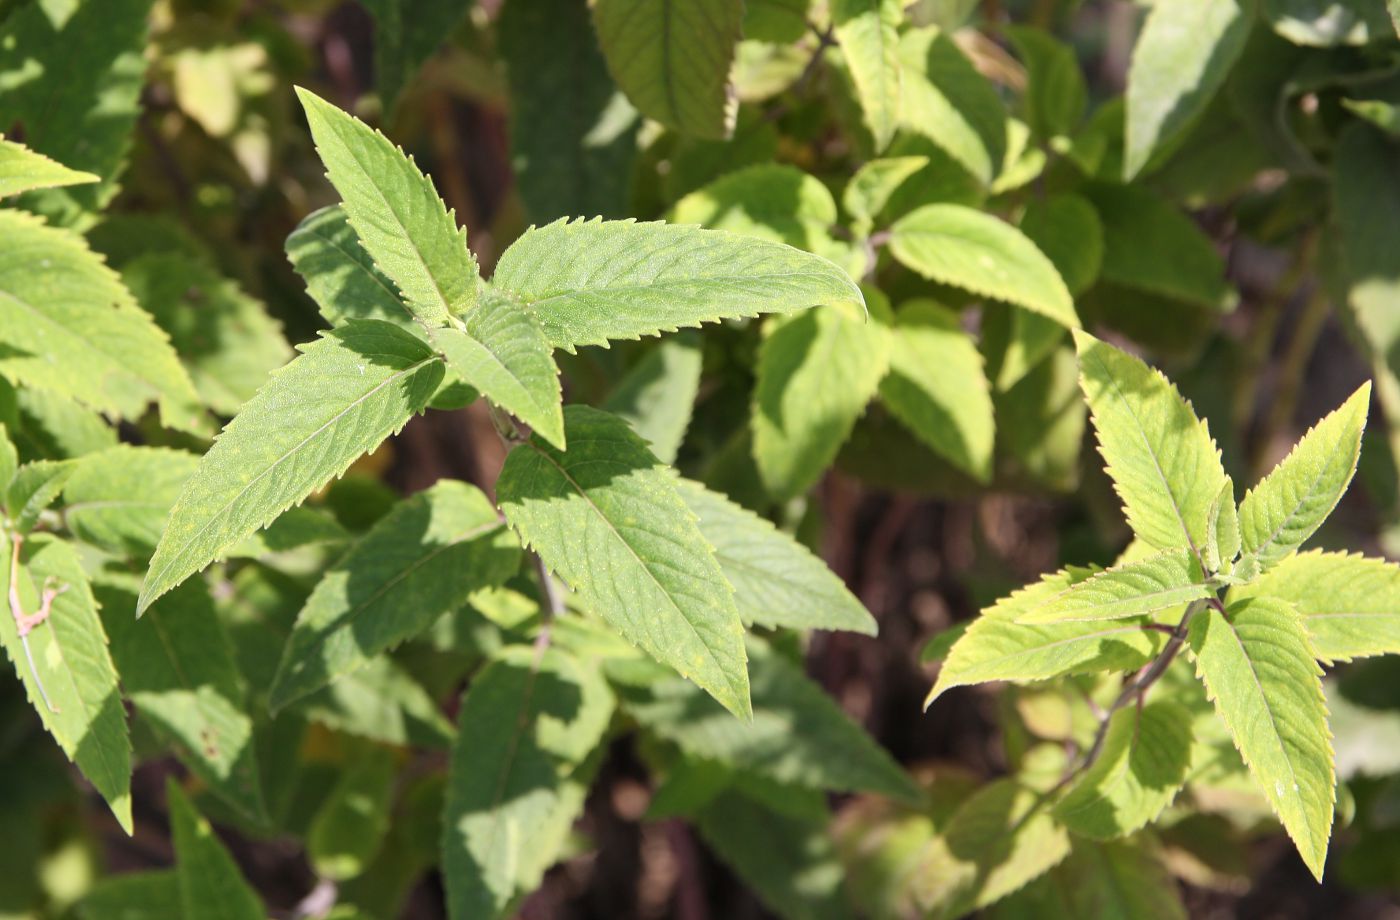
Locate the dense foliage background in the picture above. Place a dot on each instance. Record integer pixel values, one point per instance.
(1212, 184)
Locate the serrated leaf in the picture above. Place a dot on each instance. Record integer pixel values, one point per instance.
(997, 647)
(341, 397)
(397, 214)
(177, 668)
(672, 59)
(529, 722)
(798, 735)
(75, 690)
(118, 499)
(340, 276)
(349, 827)
(22, 170)
(1350, 604)
(34, 487)
(868, 33)
(573, 135)
(1068, 230)
(607, 518)
(226, 339)
(54, 427)
(1289, 504)
(501, 351)
(874, 184)
(1182, 57)
(71, 74)
(816, 373)
(657, 394)
(211, 884)
(944, 98)
(1163, 463)
(1139, 770)
(590, 281)
(67, 324)
(967, 248)
(1222, 542)
(419, 562)
(777, 582)
(937, 388)
(1002, 838)
(1258, 667)
(1056, 94)
(1167, 579)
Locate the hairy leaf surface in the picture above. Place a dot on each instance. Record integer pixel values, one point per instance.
(1167, 579)
(22, 170)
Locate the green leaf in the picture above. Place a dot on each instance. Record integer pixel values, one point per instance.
(118, 499)
(657, 394)
(777, 582)
(1163, 463)
(573, 135)
(1222, 543)
(997, 647)
(967, 248)
(936, 386)
(177, 668)
(607, 518)
(33, 488)
(999, 840)
(874, 184)
(1257, 664)
(529, 722)
(1326, 23)
(1167, 579)
(816, 373)
(1068, 230)
(211, 884)
(55, 427)
(1350, 604)
(75, 688)
(1182, 56)
(1139, 770)
(9, 458)
(399, 218)
(152, 895)
(71, 74)
(1056, 95)
(340, 276)
(1120, 879)
(1149, 245)
(501, 351)
(770, 201)
(341, 397)
(408, 33)
(381, 702)
(868, 33)
(798, 735)
(672, 59)
(1289, 504)
(22, 170)
(435, 548)
(590, 281)
(944, 98)
(226, 338)
(350, 826)
(68, 325)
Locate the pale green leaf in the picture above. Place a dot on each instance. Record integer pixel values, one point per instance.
(341, 397)
(944, 98)
(573, 135)
(1257, 664)
(1326, 23)
(381, 702)
(1114, 880)
(226, 338)
(1167, 579)
(9, 458)
(657, 394)
(211, 884)
(936, 386)
(1139, 770)
(607, 518)
(1289, 504)
(1182, 57)
(777, 582)
(874, 184)
(419, 562)
(798, 734)
(501, 351)
(1163, 463)
(1350, 604)
(868, 33)
(22, 170)
(178, 670)
(399, 218)
(590, 281)
(529, 723)
(970, 249)
(349, 827)
(996, 647)
(1222, 543)
(34, 487)
(816, 373)
(67, 324)
(54, 427)
(770, 201)
(340, 276)
(672, 59)
(75, 688)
